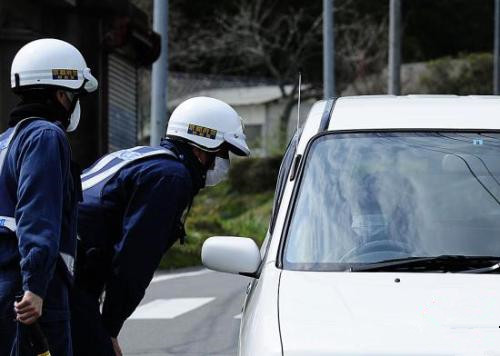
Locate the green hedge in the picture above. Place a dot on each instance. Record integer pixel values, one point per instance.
(253, 175)
(467, 74)
(240, 206)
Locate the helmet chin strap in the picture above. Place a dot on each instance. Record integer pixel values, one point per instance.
(73, 100)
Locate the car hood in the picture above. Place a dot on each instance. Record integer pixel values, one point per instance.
(342, 313)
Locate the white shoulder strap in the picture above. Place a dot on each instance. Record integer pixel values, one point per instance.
(127, 157)
(4, 144)
(8, 221)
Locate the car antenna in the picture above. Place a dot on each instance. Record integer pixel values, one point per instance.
(298, 103)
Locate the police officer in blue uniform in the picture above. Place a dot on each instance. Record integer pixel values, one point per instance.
(134, 206)
(39, 191)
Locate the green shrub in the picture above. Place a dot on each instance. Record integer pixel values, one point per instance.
(222, 210)
(253, 175)
(179, 256)
(467, 74)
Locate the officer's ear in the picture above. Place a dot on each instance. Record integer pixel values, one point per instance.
(203, 156)
(63, 99)
(223, 152)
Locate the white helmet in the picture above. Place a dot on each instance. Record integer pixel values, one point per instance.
(208, 123)
(51, 62)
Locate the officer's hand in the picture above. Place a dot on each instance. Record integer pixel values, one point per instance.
(116, 346)
(29, 309)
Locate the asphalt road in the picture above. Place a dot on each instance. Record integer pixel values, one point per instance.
(189, 313)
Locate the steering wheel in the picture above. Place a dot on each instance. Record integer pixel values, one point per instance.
(377, 246)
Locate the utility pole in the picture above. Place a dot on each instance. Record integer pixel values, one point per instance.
(159, 76)
(394, 70)
(328, 50)
(496, 51)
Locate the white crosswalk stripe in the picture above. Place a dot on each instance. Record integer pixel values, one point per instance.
(169, 308)
(168, 276)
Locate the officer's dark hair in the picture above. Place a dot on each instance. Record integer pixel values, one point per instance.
(40, 101)
(38, 95)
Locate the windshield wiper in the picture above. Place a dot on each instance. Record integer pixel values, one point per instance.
(489, 269)
(442, 263)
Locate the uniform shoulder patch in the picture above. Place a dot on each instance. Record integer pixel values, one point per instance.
(202, 131)
(64, 74)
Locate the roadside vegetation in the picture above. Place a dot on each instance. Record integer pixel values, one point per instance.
(240, 206)
(465, 74)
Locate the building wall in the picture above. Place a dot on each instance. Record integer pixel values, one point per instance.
(252, 114)
(97, 28)
(254, 119)
(22, 21)
(266, 116)
(272, 128)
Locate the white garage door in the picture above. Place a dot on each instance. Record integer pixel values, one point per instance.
(122, 103)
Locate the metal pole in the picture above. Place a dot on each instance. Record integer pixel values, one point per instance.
(159, 76)
(496, 51)
(394, 71)
(328, 50)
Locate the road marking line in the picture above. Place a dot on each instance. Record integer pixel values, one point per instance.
(168, 308)
(238, 316)
(165, 277)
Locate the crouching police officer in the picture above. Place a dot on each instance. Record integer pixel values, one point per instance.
(39, 192)
(134, 206)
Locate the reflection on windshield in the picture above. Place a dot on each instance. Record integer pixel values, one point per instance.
(366, 198)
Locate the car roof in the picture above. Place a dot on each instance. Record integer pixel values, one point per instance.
(415, 112)
(408, 112)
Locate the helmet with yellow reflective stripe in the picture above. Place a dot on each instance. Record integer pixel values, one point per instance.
(208, 123)
(50, 62)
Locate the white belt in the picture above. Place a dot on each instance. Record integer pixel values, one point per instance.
(69, 261)
(8, 222)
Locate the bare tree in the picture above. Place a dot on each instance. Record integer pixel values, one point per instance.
(361, 49)
(259, 34)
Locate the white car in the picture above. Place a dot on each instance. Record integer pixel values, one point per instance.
(385, 233)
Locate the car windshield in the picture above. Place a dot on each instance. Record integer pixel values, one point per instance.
(366, 198)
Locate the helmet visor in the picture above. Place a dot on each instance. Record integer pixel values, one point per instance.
(237, 143)
(90, 82)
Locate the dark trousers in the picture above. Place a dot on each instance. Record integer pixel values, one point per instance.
(54, 321)
(10, 285)
(88, 332)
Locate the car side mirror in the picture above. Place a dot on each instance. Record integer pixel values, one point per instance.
(231, 254)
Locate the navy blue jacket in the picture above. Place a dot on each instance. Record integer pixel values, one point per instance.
(136, 219)
(38, 189)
